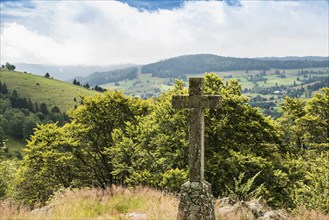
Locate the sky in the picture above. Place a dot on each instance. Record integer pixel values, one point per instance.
(111, 32)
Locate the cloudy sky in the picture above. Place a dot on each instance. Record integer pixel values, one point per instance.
(130, 31)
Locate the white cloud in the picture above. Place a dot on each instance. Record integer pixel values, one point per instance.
(110, 32)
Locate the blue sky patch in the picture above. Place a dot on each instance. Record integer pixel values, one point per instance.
(152, 5)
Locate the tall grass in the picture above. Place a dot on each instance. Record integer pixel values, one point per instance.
(115, 203)
(120, 203)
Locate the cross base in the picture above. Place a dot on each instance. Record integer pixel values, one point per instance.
(196, 202)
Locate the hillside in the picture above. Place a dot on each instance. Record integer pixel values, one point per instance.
(98, 78)
(200, 63)
(179, 67)
(41, 89)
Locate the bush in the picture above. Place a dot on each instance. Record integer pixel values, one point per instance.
(173, 179)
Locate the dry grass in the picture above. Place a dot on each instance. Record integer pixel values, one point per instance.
(305, 214)
(118, 203)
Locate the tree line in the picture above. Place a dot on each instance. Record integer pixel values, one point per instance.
(19, 115)
(87, 86)
(118, 139)
(9, 66)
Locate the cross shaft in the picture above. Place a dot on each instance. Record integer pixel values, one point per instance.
(197, 102)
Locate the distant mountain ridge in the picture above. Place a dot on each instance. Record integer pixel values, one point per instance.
(200, 63)
(313, 58)
(66, 73)
(99, 78)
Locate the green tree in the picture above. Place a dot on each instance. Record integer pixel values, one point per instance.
(318, 109)
(47, 166)
(4, 105)
(44, 109)
(3, 88)
(238, 139)
(154, 151)
(293, 110)
(10, 66)
(15, 119)
(55, 109)
(92, 125)
(29, 124)
(8, 169)
(305, 126)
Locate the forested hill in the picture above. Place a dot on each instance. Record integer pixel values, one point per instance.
(201, 63)
(99, 78)
(196, 64)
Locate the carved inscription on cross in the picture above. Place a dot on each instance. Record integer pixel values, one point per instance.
(197, 102)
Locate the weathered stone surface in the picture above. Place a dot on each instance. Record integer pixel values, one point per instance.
(196, 201)
(254, 209)
(43, 210)
(196, 198)
(196, 101)
(196, 145)
(135, 215)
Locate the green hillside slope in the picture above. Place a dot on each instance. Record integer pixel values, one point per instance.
(41, 89)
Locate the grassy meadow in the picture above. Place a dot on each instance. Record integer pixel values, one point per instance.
(41, 89)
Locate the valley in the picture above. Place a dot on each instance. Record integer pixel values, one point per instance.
(261, 87)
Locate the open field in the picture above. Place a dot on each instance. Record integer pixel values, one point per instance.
(41, 89)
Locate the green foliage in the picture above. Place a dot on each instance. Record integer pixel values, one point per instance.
(3, 88)
(47, 166)
(305, 126)
(10, 66)
(240, 139)
(154, 150)
(308, 180)
(8, 169)
(173, 179)
(243, 191)
(117, 139)
(44, 109)
(92, 126)
(318, 108)
(18, 117)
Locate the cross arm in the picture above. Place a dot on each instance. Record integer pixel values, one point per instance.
(213, 101)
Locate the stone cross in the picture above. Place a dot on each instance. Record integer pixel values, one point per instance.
(196, 101)
(196, 200)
